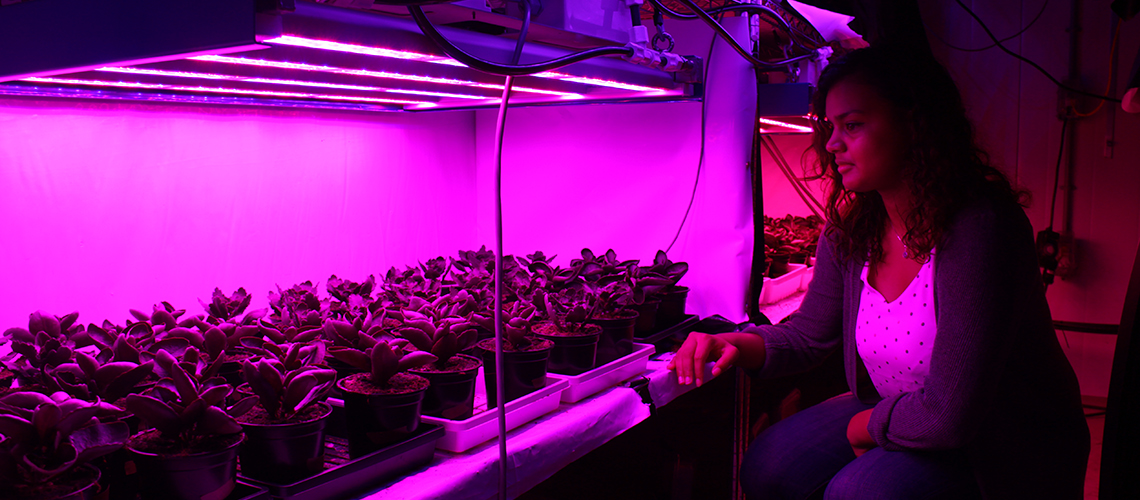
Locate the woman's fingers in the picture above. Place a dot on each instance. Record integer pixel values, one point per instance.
(727, 358)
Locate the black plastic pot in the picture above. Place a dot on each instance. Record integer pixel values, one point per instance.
(113, 477)
(617, 337)
(574, 354)
(672, 308)
(523, 371)
(450, 395)
(646, 318)
(778, 264)
(187, 477)
(376, 420)
(284, 453)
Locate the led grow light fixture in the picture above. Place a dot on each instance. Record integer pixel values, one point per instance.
(791, 126)
(265, 93)
(276, 81)
(378, 74)
(310, 43)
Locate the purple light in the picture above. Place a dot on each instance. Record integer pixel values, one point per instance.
(378, 74)
(797, 128)
(274, 81)
(380, 52)
(265, 93)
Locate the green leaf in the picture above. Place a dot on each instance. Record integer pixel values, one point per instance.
(155, 413)
(353, 357)
(270, 398)
(298, 391)
(385, 364)
(94, 441)
(214, 421)
(187, 388)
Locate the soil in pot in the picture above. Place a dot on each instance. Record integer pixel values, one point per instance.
(284, 452)
(207, 469)
(778, 264)
(672, 308)
(377, 416)
(617, 335)
(82, 483)
(646, 324)
(451, 389)
(524, 371)
(573, 352)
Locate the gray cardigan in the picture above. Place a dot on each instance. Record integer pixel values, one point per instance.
(999, 383)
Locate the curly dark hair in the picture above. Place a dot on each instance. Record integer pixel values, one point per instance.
(944, 167)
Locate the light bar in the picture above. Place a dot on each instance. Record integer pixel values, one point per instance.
(378, 74)
(777, 123)
(348, 47)
(266, 93)
(598, 82)
(274, 81)
(380, 52)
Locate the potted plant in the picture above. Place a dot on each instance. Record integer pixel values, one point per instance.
(91, 380)
(48, 442)
(190, 451)
(524, 355)
(285, 432)
(41, 347)
(648, 286)
(567, 325)
(298, 306)
(350, 300)
(671, 310)
(451, 377)
(358, 335)
(382, 404)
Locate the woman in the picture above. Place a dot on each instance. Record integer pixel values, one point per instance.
(926, 275)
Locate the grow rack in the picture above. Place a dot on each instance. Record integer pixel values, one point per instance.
(301, 54)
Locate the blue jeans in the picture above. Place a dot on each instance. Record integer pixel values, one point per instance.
(807, 456)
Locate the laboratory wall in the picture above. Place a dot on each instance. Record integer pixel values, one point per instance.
(106, 206)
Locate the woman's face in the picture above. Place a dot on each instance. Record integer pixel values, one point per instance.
(869, 137)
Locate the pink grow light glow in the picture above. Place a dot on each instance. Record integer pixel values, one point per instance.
(797, 128)
(380, 52)
(274, 81)
(263, 93)
(378, 74)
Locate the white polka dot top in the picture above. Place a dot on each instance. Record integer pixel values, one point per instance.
(895, 339)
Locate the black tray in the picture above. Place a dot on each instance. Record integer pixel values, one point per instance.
(343, 477)
(246, 491)
(664, 339)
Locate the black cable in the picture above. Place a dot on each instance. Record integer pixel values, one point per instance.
(992, 45)
(1057, 173)
(719, 30)
(525, 4)
(754, 8)
(478, 64)
(701, 155)
(1027, 61)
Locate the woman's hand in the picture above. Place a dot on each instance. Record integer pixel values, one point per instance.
(699, 348)
(857, 434)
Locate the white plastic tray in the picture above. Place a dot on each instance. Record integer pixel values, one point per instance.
(462, 435)
(610, 374)
(785, 285)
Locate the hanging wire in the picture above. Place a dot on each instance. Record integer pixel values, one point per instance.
(1107, 86)
(1027, 61)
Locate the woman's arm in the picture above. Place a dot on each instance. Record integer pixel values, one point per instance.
(809, 335)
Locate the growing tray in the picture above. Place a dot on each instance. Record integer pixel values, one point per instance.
(462, 435)
(786, 284)
(343, 476)
(663, 339)
(248, 491)
(608, 375)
